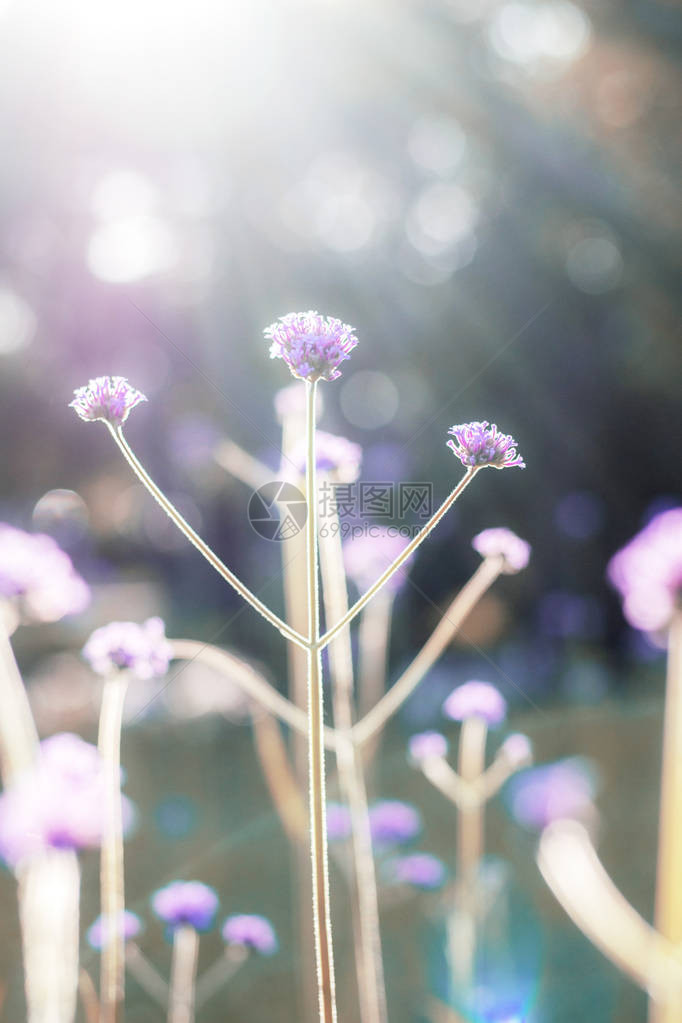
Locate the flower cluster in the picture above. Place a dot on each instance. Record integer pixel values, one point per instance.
(58, 803)
(250, 931)
(551, 792)
(419, 869)
(311, 345)
(107, 398)
(186, 903)
(479, 444)
(141, 649)
(648, 572)
(426, 745)
(130, 925)
(502, 543)
(37, 574)
(392, 822)
(476, 699)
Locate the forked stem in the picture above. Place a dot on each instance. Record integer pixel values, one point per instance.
(194, 538)
(318, 830)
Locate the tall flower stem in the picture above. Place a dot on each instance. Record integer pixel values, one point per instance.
(373, 639)
(364, 902)
(111, 863)
(668, 914)
(455, 616)
(18, 735)
(194, 538)
(49, 891)
(402, 557)
(183, 975)
(318, 831)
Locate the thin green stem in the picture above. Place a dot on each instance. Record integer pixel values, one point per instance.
(318, 830)
(455, 616)
(194, 538)
(402, 557)
(112, 982)
(183, 975)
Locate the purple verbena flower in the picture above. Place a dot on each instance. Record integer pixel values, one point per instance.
(58, 803)
(392, 822)
(131, 925)
(186, 902)
(481, 444)
(421, 870)
(107, 398)
(517, 750)
(496, 543)
(543, 794)
(425, 745)
(311, 345)
(476, 699)
(142, 649)
(647, 572)
(251, 931)
(368, 555)
(339, 823)
(335, 455)
(39, 576)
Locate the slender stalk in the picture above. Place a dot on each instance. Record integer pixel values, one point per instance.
(472, 742)
(18, 735)
(365, 901)
(220, 973)
(183, 975)
(455, 616)
(49, 890)
(89, 999)
(373, 639)
(112, 969)
(401, 559)
(250, 681)
(194, 538)
(668, 914)
(146, 974)
(318, 830)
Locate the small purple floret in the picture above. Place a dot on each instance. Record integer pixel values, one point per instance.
(518, 750)
(37, 574)
(107, 398)
(392, 822)
(368, 555)
(481, 444)
(335, 455)
(186, 902)
(131, 925)
(311, 345)
(251, 931)
(339, 823)
(647, 572)
(141, 649)
(426, 745)
(476, 699)
(58, 803)
(551, 792)
(496, 543)
(422, 870)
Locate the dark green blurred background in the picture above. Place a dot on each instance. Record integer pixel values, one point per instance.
(488, 191)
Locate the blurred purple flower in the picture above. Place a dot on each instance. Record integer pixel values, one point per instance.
(392, 821)
(367, 556)
(476, 699)
(186, 902)
(39, 575)
(335, 455)
(544, 794)
(339, 823)
(311, 345)
(481, 444)
(107, 398)
(517, 749)
(59, 802)
(131, 926)
(251, 930)
(648, 572)
(142, 649)
(495, 543)
(422, 870)
(427, 744)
